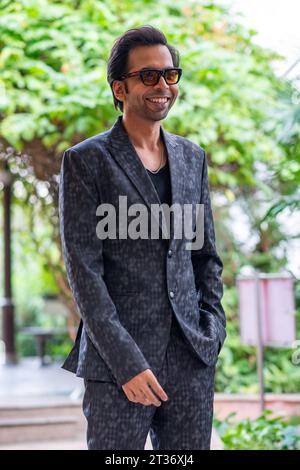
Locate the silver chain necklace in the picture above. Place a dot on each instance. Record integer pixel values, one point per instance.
(161, 161)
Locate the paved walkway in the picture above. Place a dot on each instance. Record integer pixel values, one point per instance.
(28, 382)
(81, 445)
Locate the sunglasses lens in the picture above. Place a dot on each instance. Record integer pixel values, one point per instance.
(150, 77)
(172, 76)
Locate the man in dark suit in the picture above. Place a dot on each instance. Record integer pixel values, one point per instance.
(152, 323)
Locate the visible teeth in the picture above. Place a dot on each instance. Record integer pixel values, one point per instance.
(159, 100)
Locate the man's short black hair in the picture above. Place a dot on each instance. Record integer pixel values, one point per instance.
(118, 60)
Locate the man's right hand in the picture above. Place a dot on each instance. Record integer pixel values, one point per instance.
(138, 389)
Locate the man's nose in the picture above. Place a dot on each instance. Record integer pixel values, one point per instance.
(162, 83)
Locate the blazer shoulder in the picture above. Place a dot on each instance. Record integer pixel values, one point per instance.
(91, 144)
(89, 148)
(191, 149)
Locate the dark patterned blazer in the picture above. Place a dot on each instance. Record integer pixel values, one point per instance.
(126, 290)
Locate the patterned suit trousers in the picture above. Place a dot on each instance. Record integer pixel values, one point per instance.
(184, 422)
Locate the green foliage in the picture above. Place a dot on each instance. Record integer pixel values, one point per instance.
(25, 345)
(56, 349)
(262, 433)
(59, 348)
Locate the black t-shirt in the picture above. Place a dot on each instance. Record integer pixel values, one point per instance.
(162, 183)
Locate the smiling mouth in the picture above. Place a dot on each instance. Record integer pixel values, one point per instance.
(158, 100)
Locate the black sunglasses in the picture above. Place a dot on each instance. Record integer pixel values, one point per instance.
(151, 77)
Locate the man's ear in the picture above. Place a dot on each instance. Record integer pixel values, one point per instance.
(118, 89)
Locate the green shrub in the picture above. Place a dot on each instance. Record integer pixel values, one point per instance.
(262, 433)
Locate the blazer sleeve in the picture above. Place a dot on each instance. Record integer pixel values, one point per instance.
(82, 252)
(208, 266)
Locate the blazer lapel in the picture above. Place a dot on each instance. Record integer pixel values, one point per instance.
(125, 154)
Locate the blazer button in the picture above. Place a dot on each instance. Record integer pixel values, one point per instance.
(170, 252)
(172, 294)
